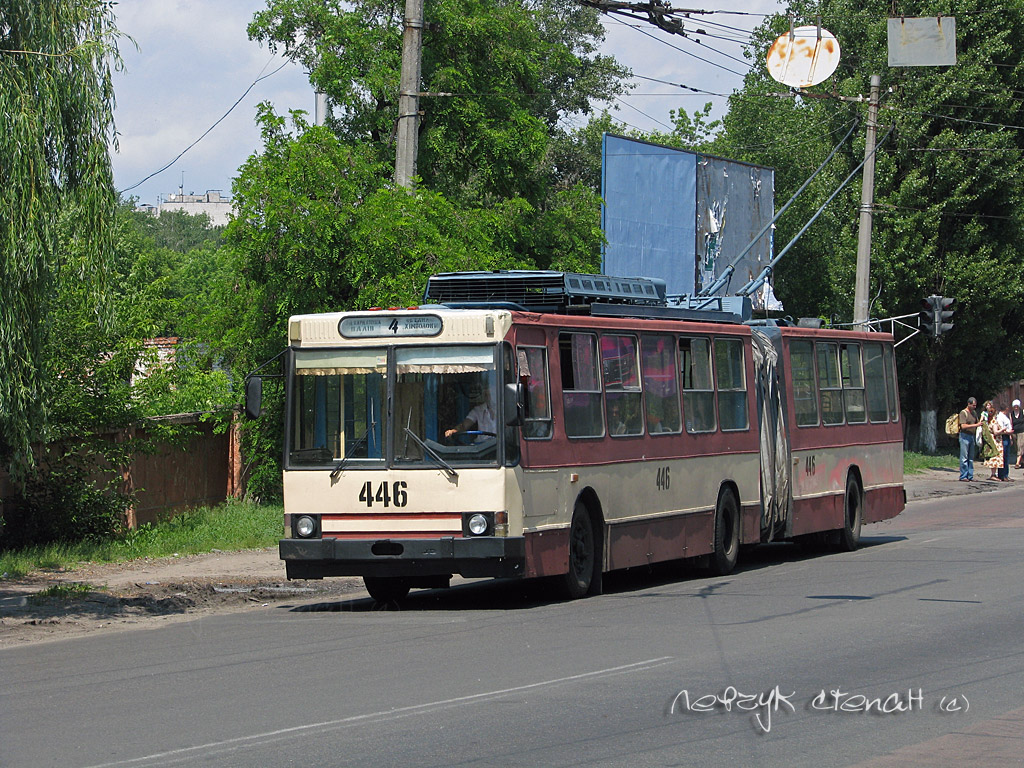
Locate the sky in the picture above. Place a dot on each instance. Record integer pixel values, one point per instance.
(189, 61)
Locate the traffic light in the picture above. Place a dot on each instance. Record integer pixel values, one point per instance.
(944, 316)
(926, 318)
(936, 315)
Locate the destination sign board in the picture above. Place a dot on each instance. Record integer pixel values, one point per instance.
(377, 326)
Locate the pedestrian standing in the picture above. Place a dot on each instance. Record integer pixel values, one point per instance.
(990, 449)
(1002, 430)
(969, 423)
(1017, 419)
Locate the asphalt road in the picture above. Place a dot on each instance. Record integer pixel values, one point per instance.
(771, 666)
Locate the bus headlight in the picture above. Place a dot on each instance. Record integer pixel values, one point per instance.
(305, 526)
(478, 524)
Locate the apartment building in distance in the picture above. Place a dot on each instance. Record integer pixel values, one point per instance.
(212, 203)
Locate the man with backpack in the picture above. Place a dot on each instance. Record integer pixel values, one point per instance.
(969, 422)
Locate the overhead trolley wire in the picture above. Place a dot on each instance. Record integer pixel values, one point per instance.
(688, 53)
(649, 117)
(208, 130)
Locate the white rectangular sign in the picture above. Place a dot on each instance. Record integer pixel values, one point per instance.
(925, 42)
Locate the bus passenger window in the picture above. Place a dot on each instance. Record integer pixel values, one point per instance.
(621, 385)
(533, 368)
(732, 386)
(661, 392)
(805, 388)
(698, 386)
(874, 381)
(581, 385)
(853, 383)
(829, 384)
(890, 383)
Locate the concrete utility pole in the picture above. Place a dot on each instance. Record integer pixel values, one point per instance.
(320, 109)
(862, 285)
(409, 95)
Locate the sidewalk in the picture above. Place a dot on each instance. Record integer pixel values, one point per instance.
(945, 481)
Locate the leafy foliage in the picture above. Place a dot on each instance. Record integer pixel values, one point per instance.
(57, 99)
(506, 74)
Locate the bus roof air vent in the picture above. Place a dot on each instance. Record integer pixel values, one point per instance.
(542, 290)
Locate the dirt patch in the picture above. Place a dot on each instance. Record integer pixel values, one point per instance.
(143, 594)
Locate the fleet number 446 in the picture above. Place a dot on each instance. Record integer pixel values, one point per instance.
(388, 494)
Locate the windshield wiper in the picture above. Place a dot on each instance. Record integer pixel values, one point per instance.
(434, 455)
(348, 454)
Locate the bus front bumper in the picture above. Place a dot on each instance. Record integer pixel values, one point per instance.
(483, 556)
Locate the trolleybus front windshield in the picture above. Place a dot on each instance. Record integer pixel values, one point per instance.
(338, 406)
(446, 405)
(444, 402)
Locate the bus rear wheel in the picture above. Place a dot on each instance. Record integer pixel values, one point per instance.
(727, 534)
(582, 555)
(387, 589)
(853, 516)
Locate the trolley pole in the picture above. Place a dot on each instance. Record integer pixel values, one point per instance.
(867, 202)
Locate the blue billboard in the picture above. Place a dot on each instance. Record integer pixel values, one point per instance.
(682, 216)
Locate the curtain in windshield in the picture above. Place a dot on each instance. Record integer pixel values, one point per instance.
(338, 410)
(445, 405)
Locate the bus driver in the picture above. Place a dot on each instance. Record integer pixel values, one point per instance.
(481, 417)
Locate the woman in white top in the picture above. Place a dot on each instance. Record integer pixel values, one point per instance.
(1002, 428)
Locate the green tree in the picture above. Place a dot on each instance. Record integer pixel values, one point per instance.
(165, 265)
(177, 230)
(57, 98)
(511, 70)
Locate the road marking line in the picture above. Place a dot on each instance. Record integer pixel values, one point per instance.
(414, 708)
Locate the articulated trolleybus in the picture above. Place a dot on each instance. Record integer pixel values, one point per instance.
(544, 424)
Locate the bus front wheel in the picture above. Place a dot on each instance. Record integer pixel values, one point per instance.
(727, 534)
(582, 554)
(386, 589)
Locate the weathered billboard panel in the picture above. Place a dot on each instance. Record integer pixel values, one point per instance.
(682, 216)
(734, 202)
(648, 217)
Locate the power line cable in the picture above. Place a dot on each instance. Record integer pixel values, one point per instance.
(956, 119)
(649, 117)
(688, 53)
(945, 213)
(207, 131)
(699, 91)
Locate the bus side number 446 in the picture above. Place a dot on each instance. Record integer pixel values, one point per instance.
(388, 494)
(662, 481)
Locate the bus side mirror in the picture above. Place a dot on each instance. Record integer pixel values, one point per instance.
(513, 405)
(253, 397)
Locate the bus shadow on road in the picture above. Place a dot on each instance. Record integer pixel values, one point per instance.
(517, 595)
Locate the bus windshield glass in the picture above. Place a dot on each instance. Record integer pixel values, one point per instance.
(338, 406)
(445, 405)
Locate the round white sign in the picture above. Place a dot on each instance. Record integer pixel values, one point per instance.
(803, 59)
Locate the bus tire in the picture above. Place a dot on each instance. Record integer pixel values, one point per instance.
(387, 589)
(582, 554)
(853, 516)
(727, 534)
